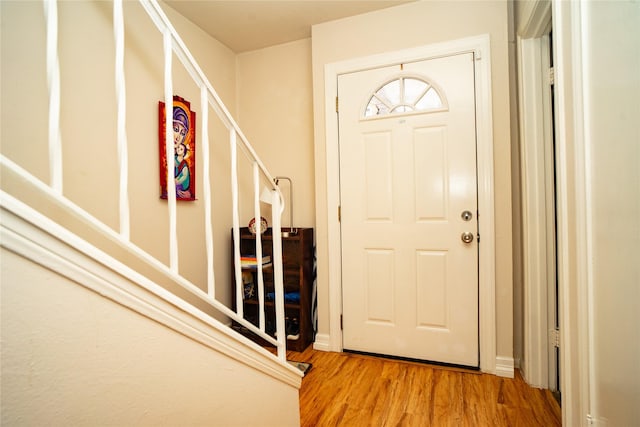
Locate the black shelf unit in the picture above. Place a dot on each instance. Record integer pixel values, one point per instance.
(297, 263)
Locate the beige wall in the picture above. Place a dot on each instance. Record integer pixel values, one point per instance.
(119, 368)
(268, 83)
(611, 42)
(275, 111)
(411, 25)
(88, 120)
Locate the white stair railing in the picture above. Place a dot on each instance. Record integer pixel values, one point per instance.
(173, 44)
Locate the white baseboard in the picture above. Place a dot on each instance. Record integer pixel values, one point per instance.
(505, 366)
(322, 342)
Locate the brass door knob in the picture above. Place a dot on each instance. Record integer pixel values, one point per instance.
(467, 237)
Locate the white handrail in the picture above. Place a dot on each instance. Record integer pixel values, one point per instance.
(179, 48)
(157, 15)
(50, 192)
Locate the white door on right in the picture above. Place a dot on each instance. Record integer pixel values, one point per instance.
(409, 224)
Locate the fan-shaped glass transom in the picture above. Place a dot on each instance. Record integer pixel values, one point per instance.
(404, 95)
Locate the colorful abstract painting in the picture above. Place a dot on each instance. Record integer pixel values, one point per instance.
(184, 149)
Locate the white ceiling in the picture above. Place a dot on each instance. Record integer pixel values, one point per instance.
(244, 25)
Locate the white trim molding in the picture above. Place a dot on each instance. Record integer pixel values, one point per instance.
(38, 239)
(572, 210)
(536, 18)
(322, 342)
(536, 160)
(480, 46)
(505, 367)
(538, 204)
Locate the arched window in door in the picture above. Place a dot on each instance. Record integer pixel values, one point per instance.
(405, 95)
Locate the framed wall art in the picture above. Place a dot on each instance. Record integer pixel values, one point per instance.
(184, 149)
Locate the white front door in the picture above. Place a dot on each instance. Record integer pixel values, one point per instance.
(407, 174)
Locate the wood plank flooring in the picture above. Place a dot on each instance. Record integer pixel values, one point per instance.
(345, 389)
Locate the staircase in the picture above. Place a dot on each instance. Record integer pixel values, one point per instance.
(115, 302)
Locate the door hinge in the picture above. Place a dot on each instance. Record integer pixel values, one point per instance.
(554, 337)
(341, 322)
(336, 104)
(552, 76)
(339, 213)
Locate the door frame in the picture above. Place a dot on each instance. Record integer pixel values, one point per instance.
(480, 46)
(538, 211)
(573, 211)
(538, 197)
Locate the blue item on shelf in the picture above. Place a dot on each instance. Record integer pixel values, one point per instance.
(292, 297)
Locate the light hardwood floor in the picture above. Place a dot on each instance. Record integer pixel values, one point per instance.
(344, 389)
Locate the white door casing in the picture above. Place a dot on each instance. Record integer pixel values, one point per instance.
(410, 284)
(538, 203)
(480, 45)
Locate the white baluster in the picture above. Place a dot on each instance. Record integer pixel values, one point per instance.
(170, 151)
(53, 80)
(121, 100)
(208, 231)
(236, 222)
(257, 216)
(278, 283)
